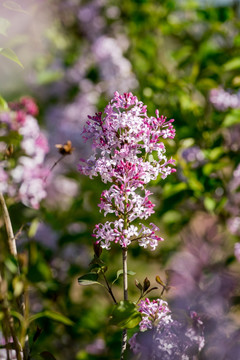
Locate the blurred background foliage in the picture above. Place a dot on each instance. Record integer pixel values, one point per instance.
(170, 54)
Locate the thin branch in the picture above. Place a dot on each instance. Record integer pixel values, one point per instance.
(11, 240)
(109, 288)
(9, 320)
(125, 294)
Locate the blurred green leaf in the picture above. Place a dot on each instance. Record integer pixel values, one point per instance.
(18, 316)
(18, 286)
(10, 54)
(125, 315)
(89, 279)
(33, 228)
(11, 264)
(53, 316)
(39, 271)
(3, 104)
(172, 189)
(48, 76)
(209, 203)
(171, 216)
(232, 118)
(4, 25)
(232, 64)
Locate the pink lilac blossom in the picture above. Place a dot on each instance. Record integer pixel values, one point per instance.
(127, 151)
(233, 222)
(153, 312)
(223, 100)
(26, 179)
(237, 251)
(162, 337)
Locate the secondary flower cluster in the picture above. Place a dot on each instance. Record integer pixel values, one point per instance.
(23, 147)
(223, 100)
(128, 152)
(166, 338)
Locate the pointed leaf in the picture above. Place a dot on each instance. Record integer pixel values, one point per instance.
(138, 285)
(159, 281)
(33, 228)
(10, 54)
(4, 25)
(89, 279)
(3, 104)
(51, 315)
(37, 334)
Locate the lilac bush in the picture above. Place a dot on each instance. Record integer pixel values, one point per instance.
(22, 170)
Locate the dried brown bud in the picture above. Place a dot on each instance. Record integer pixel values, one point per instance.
(9, 151)
(146, 284)
(97, 249)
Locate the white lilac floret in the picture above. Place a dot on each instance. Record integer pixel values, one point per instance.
(128, 152)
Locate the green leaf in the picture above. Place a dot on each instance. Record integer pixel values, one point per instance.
(125, 315)
(10, 54)
(49, 76)
(232, 64)
(172, 217)
(232, 118)
(216, 153)
(89, 279)
(53, 316)
(4, 25)
(3, 104)
(120, 272)
(138, 285)
(12, 5)
(33, 228)
(172, 189)
(18, 286)
(11, 264)
(209, 203)
(18, 316)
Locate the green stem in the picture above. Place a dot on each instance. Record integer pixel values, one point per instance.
(125, 280)
(13, 251)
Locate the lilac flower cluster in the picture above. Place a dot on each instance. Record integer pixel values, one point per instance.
(153, 312)
(22, 173)
(237, 251)
(166, 338)
(223, 100)
(128, 152)
(233, 222)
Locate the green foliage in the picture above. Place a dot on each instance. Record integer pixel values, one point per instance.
(125, 315)
(10, 54)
